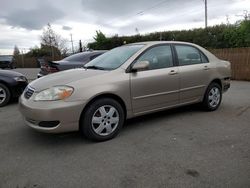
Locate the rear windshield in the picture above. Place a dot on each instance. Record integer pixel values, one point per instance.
(78, 57)
(6, 58)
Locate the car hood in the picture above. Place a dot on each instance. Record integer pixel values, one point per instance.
(8, 73)
(64, 78)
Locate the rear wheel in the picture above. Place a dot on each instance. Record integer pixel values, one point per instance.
(4, 95)
(213, 97)
(102, 120)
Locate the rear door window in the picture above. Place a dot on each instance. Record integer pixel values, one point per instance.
(188, 55)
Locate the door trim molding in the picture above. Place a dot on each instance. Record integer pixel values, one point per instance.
(155, 95)
(194, 87)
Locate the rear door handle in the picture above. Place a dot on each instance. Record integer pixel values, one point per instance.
(206, 67)
(173, 72)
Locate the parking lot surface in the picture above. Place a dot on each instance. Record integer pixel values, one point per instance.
(30, 73)
(184, 147)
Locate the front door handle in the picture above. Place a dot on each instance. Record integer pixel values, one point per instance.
(206, 67)
(173, 72)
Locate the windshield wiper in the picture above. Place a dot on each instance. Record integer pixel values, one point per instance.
(94, 67)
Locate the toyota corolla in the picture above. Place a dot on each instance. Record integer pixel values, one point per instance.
(128, 81)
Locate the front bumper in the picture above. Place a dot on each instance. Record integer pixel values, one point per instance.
(51, 116)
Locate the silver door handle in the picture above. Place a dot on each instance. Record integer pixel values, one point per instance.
(206, 67)
(173, 72)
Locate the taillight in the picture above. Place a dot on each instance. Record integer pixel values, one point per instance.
(51, 69)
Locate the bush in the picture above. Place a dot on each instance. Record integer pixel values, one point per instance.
(219, 36)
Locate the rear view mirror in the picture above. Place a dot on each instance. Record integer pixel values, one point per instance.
(140, 66)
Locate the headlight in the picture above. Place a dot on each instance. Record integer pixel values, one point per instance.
(54, 93)
(21, 79)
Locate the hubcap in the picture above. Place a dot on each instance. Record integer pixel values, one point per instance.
(2, 95)
(105, 120)
(214, 97)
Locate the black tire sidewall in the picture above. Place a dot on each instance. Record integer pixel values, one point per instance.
(206, 104)
(86, 125)
(7, 91)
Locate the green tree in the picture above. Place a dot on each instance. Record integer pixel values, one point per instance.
(244, 31)
(16, 51)
(50, 38)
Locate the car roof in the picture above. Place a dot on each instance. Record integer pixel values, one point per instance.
(162, 42)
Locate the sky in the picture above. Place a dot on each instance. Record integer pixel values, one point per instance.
(22, 22)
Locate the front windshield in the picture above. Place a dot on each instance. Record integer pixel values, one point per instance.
(114, 58)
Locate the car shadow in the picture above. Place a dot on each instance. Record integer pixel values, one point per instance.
(52, 140)
(159, 116)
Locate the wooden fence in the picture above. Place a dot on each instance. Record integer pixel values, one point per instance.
(239, 59)
(26, 62)
(30, 62)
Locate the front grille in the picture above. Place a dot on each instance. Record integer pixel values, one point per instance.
(28, 92)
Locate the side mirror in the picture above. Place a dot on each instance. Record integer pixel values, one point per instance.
(140, 66)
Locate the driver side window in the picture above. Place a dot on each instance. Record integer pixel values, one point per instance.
(158, 57)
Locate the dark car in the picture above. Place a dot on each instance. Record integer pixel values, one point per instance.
(74, 61)
(6, 61)
(12, 84)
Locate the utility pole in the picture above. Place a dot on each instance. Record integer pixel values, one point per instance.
(205, 1)
(22, 58)
(80, 45)
(72, 45)
(51, 47)
(227, 18)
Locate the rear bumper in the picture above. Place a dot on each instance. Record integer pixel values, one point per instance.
(6, 65)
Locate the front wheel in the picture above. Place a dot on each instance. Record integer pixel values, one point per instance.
(213, 97)
(102, 120)
(4, 95)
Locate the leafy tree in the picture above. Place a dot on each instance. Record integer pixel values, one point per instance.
(50, 38)
(244, 31)
(44, 51)
(16, 51)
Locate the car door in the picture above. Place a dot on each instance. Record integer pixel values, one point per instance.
(194, 71)
(158, 86)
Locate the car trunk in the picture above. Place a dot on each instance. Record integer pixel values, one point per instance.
(48, 67)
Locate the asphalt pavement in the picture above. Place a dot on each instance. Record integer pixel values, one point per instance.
(184, 147)
(30, 73)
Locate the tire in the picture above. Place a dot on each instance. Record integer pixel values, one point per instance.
(212, 97)
(102, 120)
(5, 95)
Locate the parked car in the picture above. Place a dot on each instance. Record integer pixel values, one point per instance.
(128, 81)
(12, 84)
(7, 61)
(74, 61)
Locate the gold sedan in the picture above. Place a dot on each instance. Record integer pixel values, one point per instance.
(125, 82)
